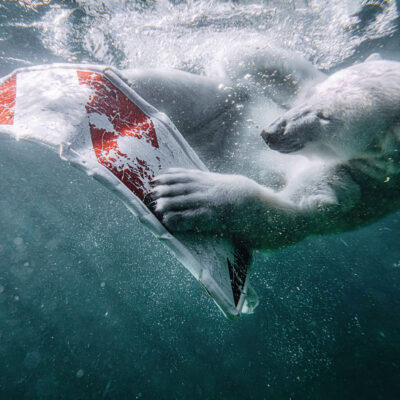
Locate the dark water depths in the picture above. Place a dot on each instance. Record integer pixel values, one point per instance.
(93, 307)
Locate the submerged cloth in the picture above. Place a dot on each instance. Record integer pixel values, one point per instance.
(99, 124)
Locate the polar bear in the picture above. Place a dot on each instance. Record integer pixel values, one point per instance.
(343, 128)
(351, 120)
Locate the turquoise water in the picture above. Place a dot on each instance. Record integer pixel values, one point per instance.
(92, 306)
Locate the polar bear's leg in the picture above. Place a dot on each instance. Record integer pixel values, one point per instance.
(189, 100)
(274, 73)
(203, 109)
(229, 205)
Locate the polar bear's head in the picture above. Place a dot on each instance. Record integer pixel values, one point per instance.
(297, 128)
(344, 114)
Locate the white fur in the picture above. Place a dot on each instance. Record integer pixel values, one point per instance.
(347, 128)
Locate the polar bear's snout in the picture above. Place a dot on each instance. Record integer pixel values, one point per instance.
(287, 135)
(281, 140)
(295, 129)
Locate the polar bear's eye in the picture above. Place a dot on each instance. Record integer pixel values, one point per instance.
(323, 116)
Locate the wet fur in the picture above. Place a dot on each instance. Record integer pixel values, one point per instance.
(343, 130)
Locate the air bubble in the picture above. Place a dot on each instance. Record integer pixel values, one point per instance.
(80, 373)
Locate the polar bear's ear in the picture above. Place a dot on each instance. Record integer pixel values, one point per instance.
(373, 57)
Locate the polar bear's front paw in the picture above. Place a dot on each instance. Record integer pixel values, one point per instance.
(295, 128)
(195, 200)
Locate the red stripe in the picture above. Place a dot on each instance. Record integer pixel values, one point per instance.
(8, 92)
(127, 120)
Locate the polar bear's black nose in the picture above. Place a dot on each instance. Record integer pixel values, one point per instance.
(280, 140)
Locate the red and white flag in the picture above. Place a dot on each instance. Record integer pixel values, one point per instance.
(98, 123)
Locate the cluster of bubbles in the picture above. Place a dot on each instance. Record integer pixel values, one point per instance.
(198, 35)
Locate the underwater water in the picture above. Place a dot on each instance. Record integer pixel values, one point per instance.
(92, 306)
